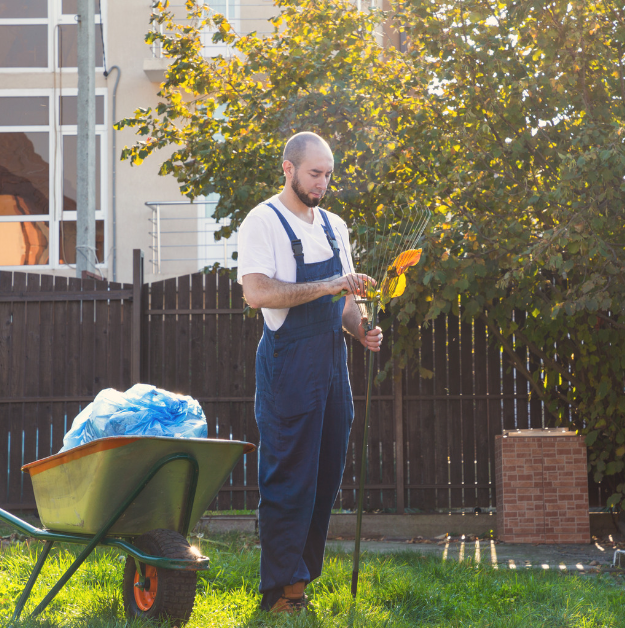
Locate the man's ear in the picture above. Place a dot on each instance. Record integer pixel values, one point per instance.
(289, 169)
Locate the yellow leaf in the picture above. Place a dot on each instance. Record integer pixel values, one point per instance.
(394, 287)
(404, 261)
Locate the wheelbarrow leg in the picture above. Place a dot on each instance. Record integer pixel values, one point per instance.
(31, 581)
(68, 574)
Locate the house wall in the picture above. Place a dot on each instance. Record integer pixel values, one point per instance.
(125, 25)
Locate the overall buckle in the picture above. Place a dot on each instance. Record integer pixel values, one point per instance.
(297, 247)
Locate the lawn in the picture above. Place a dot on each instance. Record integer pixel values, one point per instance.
(403, 590)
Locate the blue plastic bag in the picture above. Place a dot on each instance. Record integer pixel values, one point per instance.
(142, 410)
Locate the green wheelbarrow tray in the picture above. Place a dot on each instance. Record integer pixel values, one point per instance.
(78, 490)
(111, 490)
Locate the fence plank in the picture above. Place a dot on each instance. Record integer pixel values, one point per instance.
(87, 342)
(44, 431)
(441, 452)
(29, 449)
(224, 361)
(359, 388)
(428, 420)
(454, 426)
(387, 427)
(236, 385)
(412, 430)
(31, 359)
(72, 358)
(113, 356)
(374, 466)
(14, 492)
(101, 344)
(170, 349)
(126, 338)
(509, 406)
(468, 414)
(157, 295)
(197, 348)
(62, 343)
(46, 342)
(252, 331)
(18, 344)
(182, 374)
(16, 389)
(535, 403)
(209, 374)
(481, 411)
(494, 405)
(521, 385)
(6, 341)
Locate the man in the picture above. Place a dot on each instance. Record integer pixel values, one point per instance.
(293, 258)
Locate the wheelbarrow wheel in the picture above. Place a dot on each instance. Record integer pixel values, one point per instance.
(168, 594)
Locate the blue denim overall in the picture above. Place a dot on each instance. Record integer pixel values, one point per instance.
(304, 412)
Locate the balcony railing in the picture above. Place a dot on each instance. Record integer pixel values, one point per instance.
(183, 237)
(244, 17)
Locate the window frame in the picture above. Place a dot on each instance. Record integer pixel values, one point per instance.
(55, 190)
(55, 19)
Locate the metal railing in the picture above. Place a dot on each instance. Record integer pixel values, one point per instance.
(243, 17)
(185, 237)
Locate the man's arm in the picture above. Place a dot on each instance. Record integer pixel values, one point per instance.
(262, 291)
(352, 324)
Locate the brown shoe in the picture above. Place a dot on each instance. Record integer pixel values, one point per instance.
(293, 599)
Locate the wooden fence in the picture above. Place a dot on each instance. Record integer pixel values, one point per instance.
(431, 441)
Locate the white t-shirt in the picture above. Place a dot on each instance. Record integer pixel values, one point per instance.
(264, 247)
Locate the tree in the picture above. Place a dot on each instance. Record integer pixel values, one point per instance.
(504, 117)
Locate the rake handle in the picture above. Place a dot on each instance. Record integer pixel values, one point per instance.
(363, 461)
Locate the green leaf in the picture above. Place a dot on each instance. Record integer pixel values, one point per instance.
(591, 438)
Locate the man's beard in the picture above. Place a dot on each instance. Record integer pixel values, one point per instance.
(297, 188)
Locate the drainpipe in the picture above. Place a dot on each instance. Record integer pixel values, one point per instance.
(114, 170)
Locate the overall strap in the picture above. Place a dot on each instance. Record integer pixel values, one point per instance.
(327, 227)
(296, 243)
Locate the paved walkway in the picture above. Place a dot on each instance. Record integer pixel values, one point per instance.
(588, 558)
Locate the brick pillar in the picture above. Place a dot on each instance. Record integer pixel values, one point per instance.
(542, 487)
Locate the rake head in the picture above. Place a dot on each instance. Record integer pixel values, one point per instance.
(384, 246)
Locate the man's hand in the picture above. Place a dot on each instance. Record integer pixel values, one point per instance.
(262, 291)
(372, 340)
(352, 283)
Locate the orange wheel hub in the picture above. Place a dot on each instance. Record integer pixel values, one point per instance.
(145, 597)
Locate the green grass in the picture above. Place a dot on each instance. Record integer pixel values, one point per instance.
(399, 590)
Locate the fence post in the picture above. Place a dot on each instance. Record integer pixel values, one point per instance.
(398, 411)
(137, 285)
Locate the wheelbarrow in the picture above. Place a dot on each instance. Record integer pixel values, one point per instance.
(141, 495)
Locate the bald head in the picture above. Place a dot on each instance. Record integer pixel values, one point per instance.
(297, 147)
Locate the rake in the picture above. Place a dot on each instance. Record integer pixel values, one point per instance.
(383, 247)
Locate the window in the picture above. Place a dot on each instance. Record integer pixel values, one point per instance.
(38, 177)
(40, 35)
(230, 9)
(38, 161)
